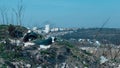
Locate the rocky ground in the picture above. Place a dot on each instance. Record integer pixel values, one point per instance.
(61, 54)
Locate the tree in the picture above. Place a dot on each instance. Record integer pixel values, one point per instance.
(3, 14)
(19, 13)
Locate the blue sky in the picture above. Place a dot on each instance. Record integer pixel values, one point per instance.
(69, 13)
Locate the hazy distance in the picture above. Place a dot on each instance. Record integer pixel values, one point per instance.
(68, 13)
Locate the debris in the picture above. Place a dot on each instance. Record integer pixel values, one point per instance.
(28, 65)
(103, 59)
(28, 44)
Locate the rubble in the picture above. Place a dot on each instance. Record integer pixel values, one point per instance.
(103, 59)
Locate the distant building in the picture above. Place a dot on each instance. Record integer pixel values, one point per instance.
(54, 29)
(47, 28)
(61, 29)
(36, 30)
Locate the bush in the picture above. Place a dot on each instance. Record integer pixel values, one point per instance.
(2, 47)
(11, 28)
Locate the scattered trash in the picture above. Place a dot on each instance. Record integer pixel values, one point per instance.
(103, 59)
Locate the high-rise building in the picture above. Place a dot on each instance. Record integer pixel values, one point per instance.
(47, 28)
